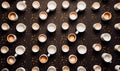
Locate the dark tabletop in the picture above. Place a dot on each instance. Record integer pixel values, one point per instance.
(88, 38)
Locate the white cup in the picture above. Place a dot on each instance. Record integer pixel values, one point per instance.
(105, 37)
(72, 59)
(5, 5)
(11, 38)
(97, 68)
(117, 48)
(35, 26)
(117, 67)
(81, 27)
(65, 48)
(51, 6)
(20, 50)
(21, 5)
(51, 50)
(35, 48)
(4, 49)
(35, 68)
(11, 60)
(43, 15)
(73, 15)
(117, 26)
(82, 49)
(72, 37)
(81, 5)
(36, 5)
(107, 57)
(43, 58)
(5, 69)
(42, 38)
(20, 69)
(117, 6)
(21, 27)
(51, 68)
(51, 27)
(97, 26)
(5, 26)
(65, 4)
(97, 47)
(65, 68)
(65, 26)
(81, 68)
(12, 16)
(106, 16)
(95, 6)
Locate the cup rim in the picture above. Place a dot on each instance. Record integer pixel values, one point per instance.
(13, 59)
(43, 36)
(44, 56)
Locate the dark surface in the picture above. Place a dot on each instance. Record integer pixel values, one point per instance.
(29, 38)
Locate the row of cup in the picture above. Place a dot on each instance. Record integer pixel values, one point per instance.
(20, 50)
(64, 68)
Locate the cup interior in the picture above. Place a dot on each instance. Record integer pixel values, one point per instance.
(11, 60)
(43, 58)
(12, 16)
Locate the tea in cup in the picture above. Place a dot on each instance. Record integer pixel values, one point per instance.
(97, 47)
(5, 26)
(65, 48)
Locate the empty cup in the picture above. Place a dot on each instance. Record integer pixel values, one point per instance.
(43, 58)
(11, 60)
(5, 26)
(105, 37)
(72, 58)
(72, 37)
(97, 68)
(51, 6)
(21, 27)
(42, 38)
(81, 68)
(11, 38)
(51, 27)
(81, 5)
(82, 49)
(12, 16)
(20, 50)
(97, 47)
(51, 68)
(4, 49)
(36, 5)
(65, 4)
(73, 15)
(107, 57)
(95, 6)
(21, 5)
(43, 15)
(106, 16)
(81, 27)
(5, 5)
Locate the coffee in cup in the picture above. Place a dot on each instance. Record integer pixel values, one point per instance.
(43, 58)
(11, 38)
(11, 60)
(106, 16)
(5, 26)
(12, 16)
(5, 5)
(4, 49)
(72, 37)
(72, 59)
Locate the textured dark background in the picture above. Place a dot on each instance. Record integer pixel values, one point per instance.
(29, 38)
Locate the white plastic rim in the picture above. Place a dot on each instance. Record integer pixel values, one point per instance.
(51, 68)
(105, 37)
(20, 69)
(4, 49)
(5, 26)
(5, 5)
(52, 49)
(81, 5)
(82, 49)
(35, 68)
(65, 68)
(36, 4)
(21, 27)
(97, 68)
(107, 57)
(21, 5)
(65, 4)
(51, 27)
(81, 27)
(95, 5)
(51, 5)
(20, 50)
(81, 68)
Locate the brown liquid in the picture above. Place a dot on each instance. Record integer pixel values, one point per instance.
(12, 16)
(72, 37)
(43, 59)
(11, 38)
(107, 15)
(11, 60)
